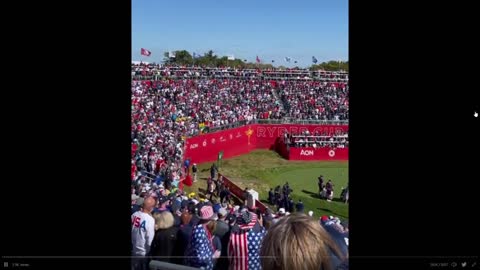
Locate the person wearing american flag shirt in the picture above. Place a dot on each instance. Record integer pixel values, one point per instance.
(201, 251)
(245, 241)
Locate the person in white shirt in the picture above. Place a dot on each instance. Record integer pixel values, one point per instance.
(143, 231)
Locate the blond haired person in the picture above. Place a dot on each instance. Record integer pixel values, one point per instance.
(165, 238)
(299, 242)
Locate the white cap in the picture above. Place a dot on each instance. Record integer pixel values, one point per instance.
(310, 213)
(281, 211)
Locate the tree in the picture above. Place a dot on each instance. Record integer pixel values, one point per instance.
(182, 57)
(221, 62)
(331, 66)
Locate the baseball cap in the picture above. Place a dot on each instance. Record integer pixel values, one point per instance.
(281, 211)
(324, 218)
(244, 217)
(163, 199)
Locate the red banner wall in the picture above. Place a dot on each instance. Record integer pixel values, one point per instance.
(239, 141)
(310, 153)
(232, 142)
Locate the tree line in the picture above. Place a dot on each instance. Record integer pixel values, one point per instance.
(208, 59)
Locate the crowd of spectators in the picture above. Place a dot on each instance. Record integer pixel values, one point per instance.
(314, 100)
(171, 226)
(164, 112)
(214, 102)
(316, 139)
(157, 145)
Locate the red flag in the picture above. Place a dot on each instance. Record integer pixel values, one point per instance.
(258, 59)
(145, 52)
(188, 180)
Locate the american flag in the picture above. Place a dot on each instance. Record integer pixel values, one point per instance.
(244, 246)
(200, 249)
(145, 52)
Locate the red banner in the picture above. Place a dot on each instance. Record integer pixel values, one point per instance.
(239, 141)
(233, 142)
(310, 153)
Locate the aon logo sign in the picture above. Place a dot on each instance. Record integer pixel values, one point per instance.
(306, 153)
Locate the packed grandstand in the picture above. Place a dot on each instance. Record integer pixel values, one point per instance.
(172, 103)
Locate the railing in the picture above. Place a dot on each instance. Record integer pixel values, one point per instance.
(233, 125)
(223, 127)
(145, 78)
(319, 136)
(301, 122)
(157, 77)
(159, 265)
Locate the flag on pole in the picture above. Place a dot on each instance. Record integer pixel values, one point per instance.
(231, 57)
(171, 54)
(314, 60)
(288, 59)
(295, 62)
(273, 61)
(258, 59)
(145, 52)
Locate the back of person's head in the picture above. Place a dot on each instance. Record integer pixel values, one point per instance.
(163, 220)
(191, 208)
(267, 223)
(298, 242)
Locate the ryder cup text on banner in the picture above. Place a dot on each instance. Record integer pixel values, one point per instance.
(204, 148)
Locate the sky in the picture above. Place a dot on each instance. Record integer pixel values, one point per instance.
(273, 30)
